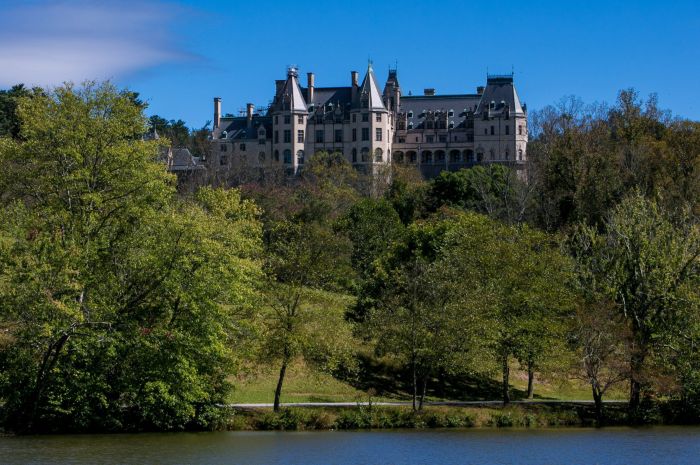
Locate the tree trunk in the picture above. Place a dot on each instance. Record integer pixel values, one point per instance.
(422, 394)
(415, 385)
(598, 400)
(42, 378)
(506, 380)
(278, 390)
(636, 364)
(530, 381)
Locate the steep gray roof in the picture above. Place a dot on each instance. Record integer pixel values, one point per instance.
(370, 90)
(329, 95)
(501, 91)
(291, 95)
(236, 127)
(182, 160)
(421, 105)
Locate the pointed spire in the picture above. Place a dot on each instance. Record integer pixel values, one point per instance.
(369, 90)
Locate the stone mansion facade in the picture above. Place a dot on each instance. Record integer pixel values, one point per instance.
(374, 128)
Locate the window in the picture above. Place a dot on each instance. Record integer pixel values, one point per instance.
(479, 157)
(223, 160)
(277, 137)
(354, 117)
(427, 157)
(507, 154)
(339, 135)
(507, 130)
(430, 139)
(300, 157)
(379, 118)
(300, 119)
(261, 141)
(288, 157)
(287, 119)
(277, 155)
(365, 117)
(354, 155)
(410, 125)
(287, 136)
(402, 140)
(410, 114)
(455, 156)
(452, 124)
(442, 138)
(470, 137)
(223, 147)
(378, 155)
(378, 134)
(470, 156)
(520, 129)
(492, 156)
(520, 154)
(402, 125)
(493, 130)
(451, 113)
(277, 120)
(300, 135)
(429, 125)
(486, 132)
(242, 147)
(440, 156)
(261, 157)
(365, 154)
(319, 136)
(354, 134)
(365, 133)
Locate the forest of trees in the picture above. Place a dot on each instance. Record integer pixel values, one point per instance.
(125, 305)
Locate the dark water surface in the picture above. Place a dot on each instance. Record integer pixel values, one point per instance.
(610, 446)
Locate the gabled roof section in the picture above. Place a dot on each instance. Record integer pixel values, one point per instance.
(369, 91)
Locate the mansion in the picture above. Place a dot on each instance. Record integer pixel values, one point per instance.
(374, 128)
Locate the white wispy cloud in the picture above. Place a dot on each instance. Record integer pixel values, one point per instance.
(49, 42)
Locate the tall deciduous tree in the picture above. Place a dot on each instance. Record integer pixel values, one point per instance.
(648, 266)
(124, 301)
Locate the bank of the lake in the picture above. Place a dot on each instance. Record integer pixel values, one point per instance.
(571, 446)
(522, 415)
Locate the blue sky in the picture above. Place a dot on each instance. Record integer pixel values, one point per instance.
(180, 54)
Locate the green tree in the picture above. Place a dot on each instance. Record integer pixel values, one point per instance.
(648, 266)
(299, 258)
(124, 302)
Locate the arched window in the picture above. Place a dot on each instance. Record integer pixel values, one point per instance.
(378, 155)
(410, 114)
(455, 156)
(410, 125)
(426, 157)
(469, 156)
(354, 155)
(412, 156)
(365, 154)
(479, 157)
(288, 157)
(439, 155)
(300, 157)
(398, 156)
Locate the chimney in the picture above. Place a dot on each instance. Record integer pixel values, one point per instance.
(480, 90)
(217, 112)
(429, 92)
(249, 113)
(355, 85)
(310, 86)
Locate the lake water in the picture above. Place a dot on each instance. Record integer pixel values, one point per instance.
(610, 446)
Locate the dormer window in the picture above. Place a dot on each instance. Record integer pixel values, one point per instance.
(410, 114)
(451, 113)
(452, 124)
(493, 105)
(410, 125)
(300, 119)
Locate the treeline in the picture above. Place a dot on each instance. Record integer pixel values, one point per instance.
(127, 306)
